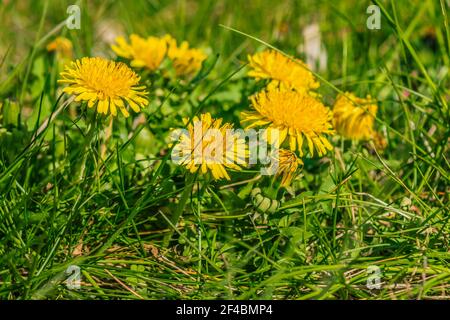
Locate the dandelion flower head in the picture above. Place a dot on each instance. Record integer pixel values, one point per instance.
(297, 116)
(105, 84)
(354, 117)
(282, 71)
(204, 150)
(146, 53)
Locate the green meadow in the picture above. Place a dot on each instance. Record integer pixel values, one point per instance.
(93, 207)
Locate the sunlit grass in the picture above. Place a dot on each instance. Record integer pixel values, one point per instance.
(78, 189)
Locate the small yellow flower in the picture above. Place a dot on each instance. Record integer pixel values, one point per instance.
(143, 53)
(200, 148)
(354, 117)
(288, 164)
(63, 48)
(295, 114)
(104, 83)
(186, 61)
(379, 141)
(283, 72)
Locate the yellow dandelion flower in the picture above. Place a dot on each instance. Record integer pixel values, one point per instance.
(201, 148)
(295, 114)
(354, 117)
(379, 141)
(283, 72)
(143, 53)
(104, 83)
(61, 45)
(63, 48)
(186, 61)
(288, 164)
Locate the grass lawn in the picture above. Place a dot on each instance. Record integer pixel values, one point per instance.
(92, 206)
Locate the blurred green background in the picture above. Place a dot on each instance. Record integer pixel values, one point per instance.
(281, 23)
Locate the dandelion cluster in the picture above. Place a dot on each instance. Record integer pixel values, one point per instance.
(289, 104)
(149, 53)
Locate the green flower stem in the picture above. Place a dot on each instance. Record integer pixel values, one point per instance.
(272, 190)
(180, 208)
(87, 142)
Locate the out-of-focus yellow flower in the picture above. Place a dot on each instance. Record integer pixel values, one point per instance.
(104, 83)
(186, 61)
(354, 117)
(379, 141)
(295, 114)
(143, 53)
(283, 72)
(288, 164)
(63, 48)
(200, 148)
